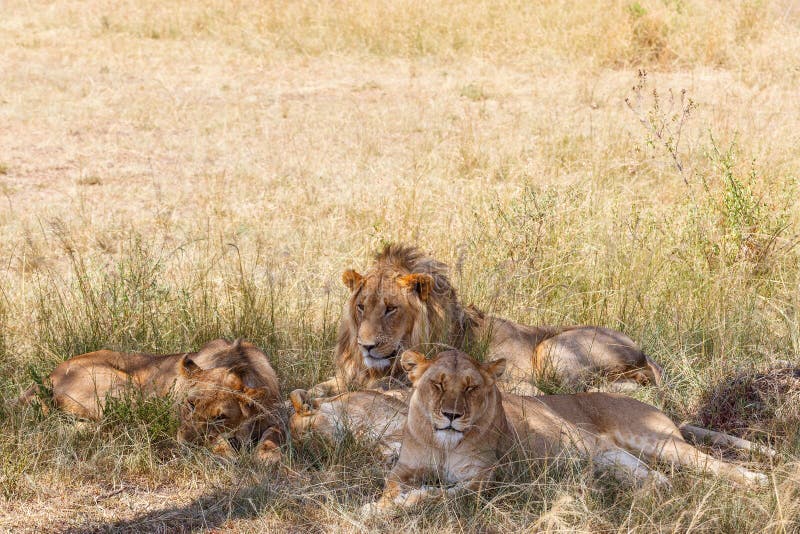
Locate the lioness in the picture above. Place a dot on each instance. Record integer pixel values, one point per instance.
(227, 393)
(460, 426)
(407, 301)
(370, 415)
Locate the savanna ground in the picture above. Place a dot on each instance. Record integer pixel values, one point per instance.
(174, 172)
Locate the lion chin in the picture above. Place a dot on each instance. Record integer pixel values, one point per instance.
(377, 363)
(448, 438)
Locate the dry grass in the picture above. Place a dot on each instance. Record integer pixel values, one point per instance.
(173, 172)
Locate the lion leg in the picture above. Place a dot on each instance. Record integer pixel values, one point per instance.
(390, 451)
(400, 490)
(675, 451)
(305, 414)
(623, 465)
(405, 488)
(608, 456)
(725, 440)
(403, 499)
(399, 494)
(413, 497)
(221, 447)
(399, 394)
(328, 388)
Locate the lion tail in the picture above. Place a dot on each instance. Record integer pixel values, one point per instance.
(28, 396)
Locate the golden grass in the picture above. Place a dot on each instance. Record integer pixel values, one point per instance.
(172, 172)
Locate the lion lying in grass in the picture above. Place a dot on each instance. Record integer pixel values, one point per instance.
(407, 301)
(370, 415)
(460, 427)
(227, 393)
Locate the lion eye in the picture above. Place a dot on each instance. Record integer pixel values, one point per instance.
(470, 389)
(360, 308)
(390, 310)
(438, 385)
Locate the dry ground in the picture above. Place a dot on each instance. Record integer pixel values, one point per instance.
(173, 172)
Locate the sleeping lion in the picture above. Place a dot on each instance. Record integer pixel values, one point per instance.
(226, 393)
(460, 427)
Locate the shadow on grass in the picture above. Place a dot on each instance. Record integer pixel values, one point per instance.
(209, 512)
(281, 498)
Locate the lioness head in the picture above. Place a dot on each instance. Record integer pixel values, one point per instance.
(384, 312)
(217, 404)
(454, 399)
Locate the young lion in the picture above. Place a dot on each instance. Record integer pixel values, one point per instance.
(372, 415)
(460, 426)
(407, 301)
(227, 392)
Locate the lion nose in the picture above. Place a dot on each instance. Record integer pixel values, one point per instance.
(451, 416)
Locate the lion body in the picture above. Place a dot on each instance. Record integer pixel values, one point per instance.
(224, 390)
(82, 385)
(573, 357)
(371, 416)
(406, 301)
(459, 427)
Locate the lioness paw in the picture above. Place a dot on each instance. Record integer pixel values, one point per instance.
(221, 447)
(373, 509)
(268, 454)
(413, 497)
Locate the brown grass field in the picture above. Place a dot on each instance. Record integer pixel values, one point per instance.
(172, 172)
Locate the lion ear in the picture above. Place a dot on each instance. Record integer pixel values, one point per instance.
(414, 364)
(419, 283)
(299, 398)
(351, 279)
(495, 368)
(188, 367)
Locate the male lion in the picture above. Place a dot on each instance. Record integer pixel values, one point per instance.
(459, 427)
(227, 393)
(407, 301)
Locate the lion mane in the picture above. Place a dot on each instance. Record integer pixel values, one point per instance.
(439, 318)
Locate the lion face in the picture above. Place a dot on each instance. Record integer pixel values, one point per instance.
(453, 395)
(217, 404)
(384, 311)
